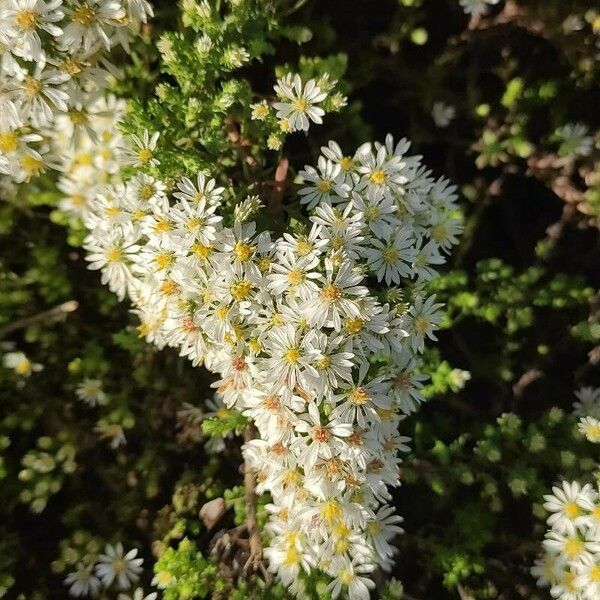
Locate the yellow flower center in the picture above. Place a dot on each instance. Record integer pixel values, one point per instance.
(372, 213)
(354, 325)
(292, 355)
(26, 19)
(84, 15)
(202, 251)
(164, 260)
(303, 247)
(572, 510)
(378, 177)
(359, 396)
(296, 277)
(162, 226)
(300, 104)
(391, 255)
(324, 186)
(114, 254)
(594, 573)
(111, 211)
(573, 548)
(346, 163)
(422, 324)
(439, 232)
(145, 155)
(9, 142)
(23, 367)
(31, 86)
(240, 290)
(146, 191)
(78, 117)
(292, 557)
(31, 165)
(323, 363)
(331, 293)
(331, 511)
(193, 223)
(243, 251)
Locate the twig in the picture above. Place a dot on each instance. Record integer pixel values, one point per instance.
(54, 314)
(254, 562)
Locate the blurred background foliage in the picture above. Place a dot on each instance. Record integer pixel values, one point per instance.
(522, 317)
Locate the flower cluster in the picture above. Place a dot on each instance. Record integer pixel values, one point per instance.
(587, 408)
(571, 563)
(113, 568)
(298, 105)
(319, 356)
(53, 68)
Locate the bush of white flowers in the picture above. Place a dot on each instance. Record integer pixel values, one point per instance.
(295, 326)
(55, 67)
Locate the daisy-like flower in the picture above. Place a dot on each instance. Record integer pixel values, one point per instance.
(572, 546)
(204, 190)
(588, 404)
(323, 187)
(323, 440)
(391, 258)
(39, 95)
(290, 356)
(337, 297)
(425, 319)
(347, 173)
(23, 19)
(574, 139)
(568, 504)
(113, 253)
(477, 7)
(82, 581)
(590, 427)
(20, 364)
(299, 102)
(119, 566)
(138, 594)
(588, 577)
(90, 24)
(349, 577)
(548, 569)
(142, 153)
(90, 391)
(442, 114)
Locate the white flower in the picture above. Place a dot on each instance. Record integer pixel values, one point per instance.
(82, 581)
(323, 186)
(20, 364)
(477, 7)
(39, 95)
(348, 577)
(138, 594)
(204, 191)
(116, 565)
(590, 427)
(90, 24)
(21, 20)
(589, 402)
(299, 102)
(568, 504)
(142, 154)
(91, 392)
(574, 140)
(442, 114)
